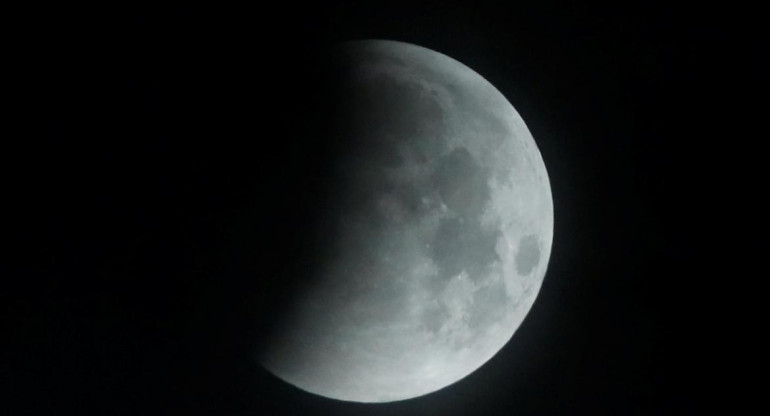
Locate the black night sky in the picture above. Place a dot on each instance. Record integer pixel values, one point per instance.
(169, 169)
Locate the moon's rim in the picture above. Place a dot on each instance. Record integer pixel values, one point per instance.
(546, 185)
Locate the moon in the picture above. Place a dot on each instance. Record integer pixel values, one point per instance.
(435, 238)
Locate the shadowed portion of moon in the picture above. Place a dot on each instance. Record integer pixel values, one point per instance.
(432, 230)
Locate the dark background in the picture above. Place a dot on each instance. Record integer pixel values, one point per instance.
(169, 166)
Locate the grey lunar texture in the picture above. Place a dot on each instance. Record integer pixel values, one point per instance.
(437, 239)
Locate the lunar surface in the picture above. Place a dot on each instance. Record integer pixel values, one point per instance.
(436, 238)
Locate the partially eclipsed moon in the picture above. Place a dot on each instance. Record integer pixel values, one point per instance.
(437, 238)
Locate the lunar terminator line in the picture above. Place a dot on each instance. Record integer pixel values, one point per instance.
(438, 234)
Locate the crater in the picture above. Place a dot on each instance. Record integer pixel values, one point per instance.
(528, 255)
